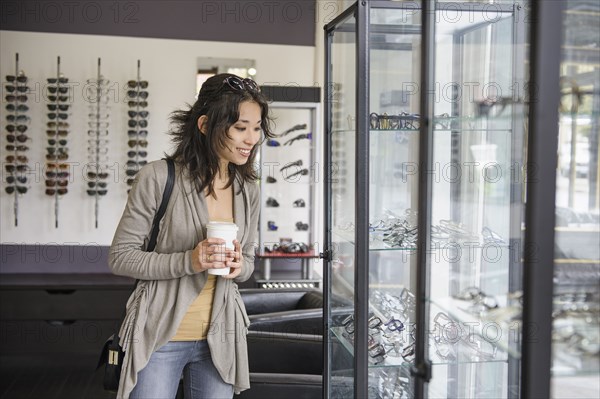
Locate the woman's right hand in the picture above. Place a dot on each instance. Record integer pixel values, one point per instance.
(211, 254)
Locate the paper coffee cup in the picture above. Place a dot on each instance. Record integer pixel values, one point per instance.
(226, 231)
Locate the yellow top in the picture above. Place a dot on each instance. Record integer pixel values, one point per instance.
(196, 321)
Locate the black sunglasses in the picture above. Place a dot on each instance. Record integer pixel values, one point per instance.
(20, 189)
(99, 192)
(59, 80)
(60, 107)
(54, 133)
(137, 133)
(133, 154)
(100, 175)
(11, 147)
(54, 115)
(20, 78)
(54, 142)
(54, 191)
(20, 107)
(54, 89)
(18, 159)
(134, 83)
(140, 123)
(21, 138)
(134, 143)
(18, 128)
(57, 124)
(20, 98)
(133, 104)
(59, 183)
(19, 179)
(19, 168)
(58, 98)
(17, 118)
(136, 163)
(21, 89)
(241, 84)
(54, 175)
(141, 114)
(93, 184)
(134, 94)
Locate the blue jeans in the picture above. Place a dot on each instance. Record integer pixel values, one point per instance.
(201, 380)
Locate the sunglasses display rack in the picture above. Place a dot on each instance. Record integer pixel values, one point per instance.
(97, 170)
(137, 132)
(16, 165)
(57, 130)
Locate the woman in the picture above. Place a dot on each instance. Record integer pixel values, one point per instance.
(181, 320)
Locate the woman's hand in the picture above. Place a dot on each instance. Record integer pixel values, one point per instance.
(212, 254)
(236, 263)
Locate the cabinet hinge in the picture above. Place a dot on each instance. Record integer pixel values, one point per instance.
(422, 370)
(326, 255)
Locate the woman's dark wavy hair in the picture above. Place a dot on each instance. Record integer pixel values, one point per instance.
(197, 152)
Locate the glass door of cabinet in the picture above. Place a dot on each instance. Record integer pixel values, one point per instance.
(476, 203)
(394, 49)
(576, 310)
(340, 233)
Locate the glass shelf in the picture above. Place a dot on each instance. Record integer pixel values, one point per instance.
(505, 335)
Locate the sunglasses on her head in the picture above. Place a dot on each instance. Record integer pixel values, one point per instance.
(241, 84)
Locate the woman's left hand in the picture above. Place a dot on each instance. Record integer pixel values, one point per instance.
(238, 261)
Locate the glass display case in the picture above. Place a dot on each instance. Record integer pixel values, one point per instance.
(576, 309)
(460, 335)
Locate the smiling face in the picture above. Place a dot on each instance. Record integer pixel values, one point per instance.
(244, 134)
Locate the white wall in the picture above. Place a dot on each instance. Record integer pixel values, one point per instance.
(169, 66)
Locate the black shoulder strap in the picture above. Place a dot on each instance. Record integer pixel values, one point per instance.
(163, 205)
(155, 226)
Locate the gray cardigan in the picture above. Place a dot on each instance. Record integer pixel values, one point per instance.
(168, 284)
